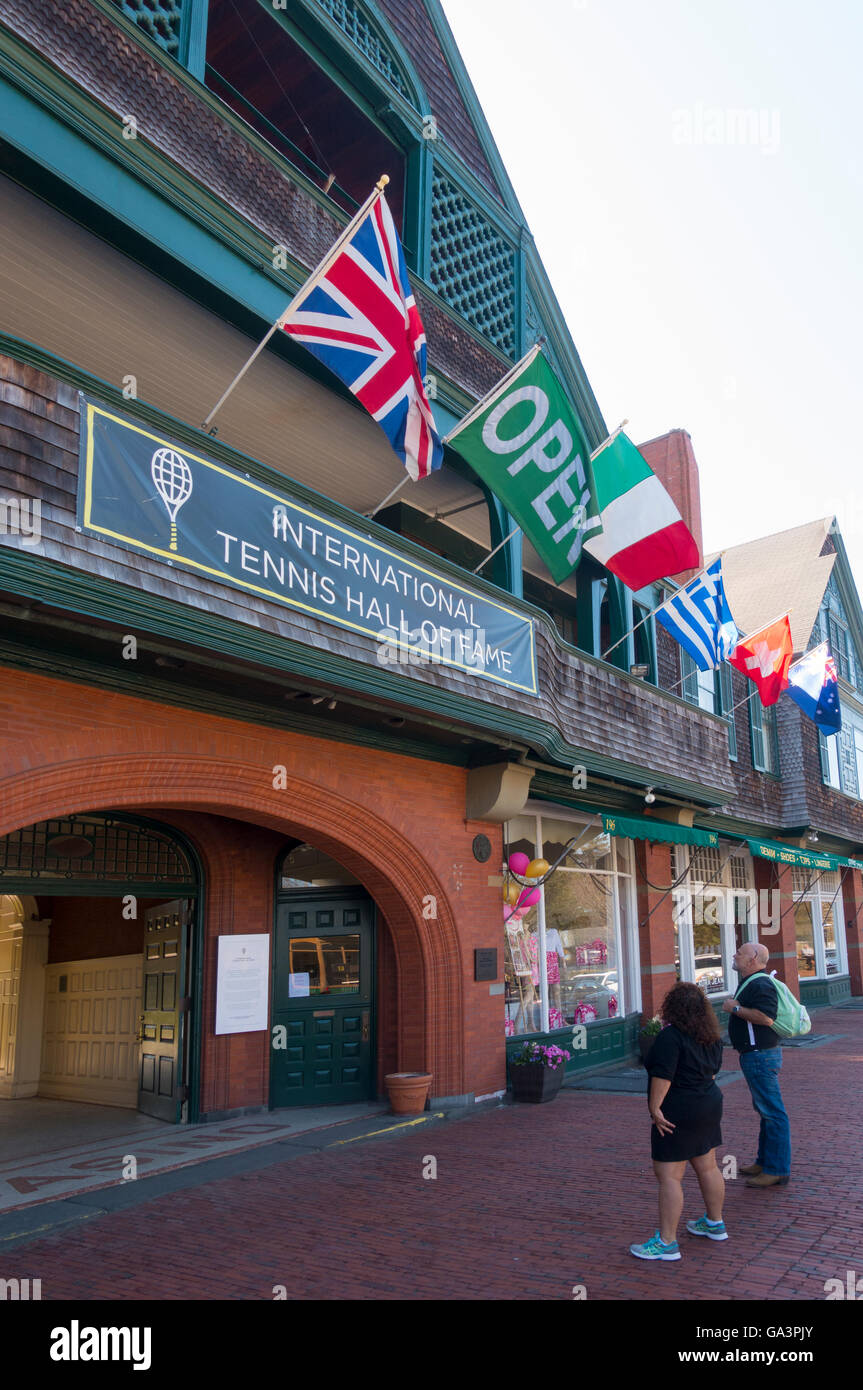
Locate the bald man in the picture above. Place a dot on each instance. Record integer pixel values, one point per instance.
(753, 1010)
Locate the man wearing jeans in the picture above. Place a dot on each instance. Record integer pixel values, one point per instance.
(752, 1012)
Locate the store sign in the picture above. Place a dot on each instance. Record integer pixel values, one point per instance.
(800, 858)
(147, 492)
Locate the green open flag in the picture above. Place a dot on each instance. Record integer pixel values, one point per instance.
(527, 443)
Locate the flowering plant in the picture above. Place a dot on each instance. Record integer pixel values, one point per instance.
(652, 1027)
(552, 1057)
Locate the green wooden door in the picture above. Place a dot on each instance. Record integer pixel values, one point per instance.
(160, 1022)
(323, 1000)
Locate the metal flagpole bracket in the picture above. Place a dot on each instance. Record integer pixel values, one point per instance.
(398, 487)
(491, 553)
(610, 440)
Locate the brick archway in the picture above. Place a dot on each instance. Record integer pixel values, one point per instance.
(390, 866)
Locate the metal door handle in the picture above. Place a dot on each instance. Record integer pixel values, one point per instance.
(139, 1036)
(365, 1027)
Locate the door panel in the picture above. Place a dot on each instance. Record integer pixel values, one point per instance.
(159, 1025)
(323, 982)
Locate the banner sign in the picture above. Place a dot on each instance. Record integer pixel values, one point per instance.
(800, 858)
(153, 495)
(526, 442)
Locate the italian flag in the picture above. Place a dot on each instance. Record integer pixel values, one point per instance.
(643, 535)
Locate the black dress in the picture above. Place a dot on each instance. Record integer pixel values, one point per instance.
(694, 1101)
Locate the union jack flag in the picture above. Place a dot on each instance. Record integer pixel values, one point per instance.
(357, 314)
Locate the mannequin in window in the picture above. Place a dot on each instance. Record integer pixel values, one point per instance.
(554, 956)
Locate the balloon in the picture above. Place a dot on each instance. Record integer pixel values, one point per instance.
(511, 914)
(510, 893)
(528, 897)
(518, 862)
(536, 868)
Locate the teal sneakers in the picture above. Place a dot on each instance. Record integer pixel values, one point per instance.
(656, 1249)
(714, 1230)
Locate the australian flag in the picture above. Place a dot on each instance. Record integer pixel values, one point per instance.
(699, 618)
(358, 315)
(813, 685)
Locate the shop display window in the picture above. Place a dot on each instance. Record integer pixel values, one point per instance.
(582, 907)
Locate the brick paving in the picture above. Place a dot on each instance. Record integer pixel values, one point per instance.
(529, 1201)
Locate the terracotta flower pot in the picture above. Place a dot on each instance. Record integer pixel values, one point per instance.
(408, 1091)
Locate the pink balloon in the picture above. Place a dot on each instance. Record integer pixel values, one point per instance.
(518, 863)
(527, 897)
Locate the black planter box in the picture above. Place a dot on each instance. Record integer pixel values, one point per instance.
(535, 1082)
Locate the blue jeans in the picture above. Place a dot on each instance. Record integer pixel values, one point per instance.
(761, 1070)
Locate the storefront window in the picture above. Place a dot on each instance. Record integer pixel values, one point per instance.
(805, 933)
(581, 946)
(831, 955)
(715, 912)
(819, 924)
(583, 905)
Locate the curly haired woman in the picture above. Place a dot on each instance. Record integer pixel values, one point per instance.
(686, 1109)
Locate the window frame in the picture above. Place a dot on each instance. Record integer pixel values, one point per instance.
(763, 724)
(622, 875)
(683, 913)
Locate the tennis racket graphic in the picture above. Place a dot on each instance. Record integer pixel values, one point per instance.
(173, 479)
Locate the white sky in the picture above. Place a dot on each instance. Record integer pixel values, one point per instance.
(709, 275)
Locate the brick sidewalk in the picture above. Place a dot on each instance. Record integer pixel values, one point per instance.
(528, 1202)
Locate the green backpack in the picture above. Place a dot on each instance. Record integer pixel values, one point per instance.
(792, 1020)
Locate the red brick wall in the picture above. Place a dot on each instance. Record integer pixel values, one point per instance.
(654, 865)
(853, 904)
(672, 459)
(397, 823)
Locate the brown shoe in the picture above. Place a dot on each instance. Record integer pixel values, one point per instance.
(767, 1180)
(751, 1170)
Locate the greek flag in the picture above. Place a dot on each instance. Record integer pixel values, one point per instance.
(698, 617)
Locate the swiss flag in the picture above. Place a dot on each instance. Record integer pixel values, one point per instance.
(764, 657)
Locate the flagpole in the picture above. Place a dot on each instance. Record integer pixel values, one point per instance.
(484, 562)
(304, 289)
(493, 394)
(745, 701)
(398, 487)
(666, 600)
(610, 440)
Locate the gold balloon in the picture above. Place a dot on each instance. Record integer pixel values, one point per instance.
(537, 868)
(511, 893)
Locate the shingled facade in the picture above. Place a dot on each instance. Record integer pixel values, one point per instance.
(270, 856)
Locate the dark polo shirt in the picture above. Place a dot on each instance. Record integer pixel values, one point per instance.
(758, 994)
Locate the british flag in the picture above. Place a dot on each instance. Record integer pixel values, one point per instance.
(358, 316)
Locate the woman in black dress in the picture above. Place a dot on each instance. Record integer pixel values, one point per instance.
(686, 1109)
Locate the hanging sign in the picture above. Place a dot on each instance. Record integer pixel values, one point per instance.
(149, 493)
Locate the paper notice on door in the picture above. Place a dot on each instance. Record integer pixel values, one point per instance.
(242, 983)
(298, 985)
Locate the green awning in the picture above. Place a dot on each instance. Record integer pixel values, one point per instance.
(665, 832)
(799, 858)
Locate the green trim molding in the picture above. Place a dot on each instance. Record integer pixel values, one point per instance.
(610, 1041)
(822, 994)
